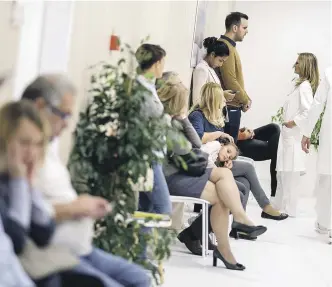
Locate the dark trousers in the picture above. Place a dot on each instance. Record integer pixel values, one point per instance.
(233, 126)
(264, 146)
(195, 228)
(69, 279)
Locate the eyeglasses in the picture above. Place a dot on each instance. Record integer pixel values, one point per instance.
(64, 116)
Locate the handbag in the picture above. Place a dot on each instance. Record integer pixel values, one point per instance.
(39, 262)
(193, 163)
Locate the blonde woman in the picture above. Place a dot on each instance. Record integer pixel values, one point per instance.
(216, 185)
(291, 159)
(209, 122)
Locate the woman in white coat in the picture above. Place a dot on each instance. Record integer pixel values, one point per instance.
(323, 181)
(214, 54)
(291, 159)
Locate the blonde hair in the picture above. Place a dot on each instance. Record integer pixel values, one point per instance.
(173, 94)
(308, 70)
(212, 102)
(11, 116)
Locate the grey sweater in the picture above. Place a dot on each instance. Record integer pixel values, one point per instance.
(179, 148)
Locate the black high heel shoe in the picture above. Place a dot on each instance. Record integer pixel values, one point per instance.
(217, 255)
(252, 231)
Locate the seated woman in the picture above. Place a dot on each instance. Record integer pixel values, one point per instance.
(23, 211)
(216, 185)
(151, 60)
(208, 121)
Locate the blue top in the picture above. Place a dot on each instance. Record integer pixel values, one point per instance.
(23, 213)
(201, 124)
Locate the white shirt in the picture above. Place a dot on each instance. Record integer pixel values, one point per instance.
(54, 182)
(290, 154)
(202, 74)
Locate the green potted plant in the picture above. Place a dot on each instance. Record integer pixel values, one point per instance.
(113, 152)
(314, 139)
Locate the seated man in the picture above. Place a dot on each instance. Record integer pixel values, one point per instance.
(261, 144)
(53, 95)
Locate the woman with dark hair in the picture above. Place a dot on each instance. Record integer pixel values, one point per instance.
(151, 61)
(216, 53)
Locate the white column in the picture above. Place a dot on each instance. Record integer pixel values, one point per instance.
(44, 41)
(56, 36)
(27, 64)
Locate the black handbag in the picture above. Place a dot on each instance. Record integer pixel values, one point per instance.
(193, 163)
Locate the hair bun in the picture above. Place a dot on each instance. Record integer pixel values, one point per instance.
(210, 41)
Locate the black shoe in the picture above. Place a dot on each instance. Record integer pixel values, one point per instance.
(244, 236)
(252, 231)
(217, 255)
(282, 216)
(211, 246)
(194, 246)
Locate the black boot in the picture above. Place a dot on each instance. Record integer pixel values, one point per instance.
(191, 243)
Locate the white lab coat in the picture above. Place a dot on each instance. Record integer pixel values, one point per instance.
(322, 98)
(290, 157)
(323, 181)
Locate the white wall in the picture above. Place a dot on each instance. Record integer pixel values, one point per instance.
(169, 24)
(278, 30)
(9, 36)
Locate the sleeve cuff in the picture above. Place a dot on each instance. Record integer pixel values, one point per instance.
(20, 202)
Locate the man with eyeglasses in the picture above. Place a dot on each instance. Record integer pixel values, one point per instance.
(54, 95)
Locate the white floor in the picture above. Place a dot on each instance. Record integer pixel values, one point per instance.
(290, 253)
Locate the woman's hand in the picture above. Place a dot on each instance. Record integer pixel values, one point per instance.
(228, 164)
(15, 164)
(289, 124)
(227, 136)
(246, 134)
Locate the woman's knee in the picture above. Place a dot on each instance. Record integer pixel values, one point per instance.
(275, 129)
(220, 173)
(209, 193)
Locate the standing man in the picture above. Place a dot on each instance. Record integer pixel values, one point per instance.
(259, 144)
(230, 73)
(324, 161)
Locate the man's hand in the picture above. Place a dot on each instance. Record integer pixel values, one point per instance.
(228, 164)
(90, 206)
(247, 107)
(305, 143)
(289, 124)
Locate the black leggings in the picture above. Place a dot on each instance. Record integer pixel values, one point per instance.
(264, 146)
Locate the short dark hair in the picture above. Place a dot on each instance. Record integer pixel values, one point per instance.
(218, 47)
(148, 54)
(234, 19)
